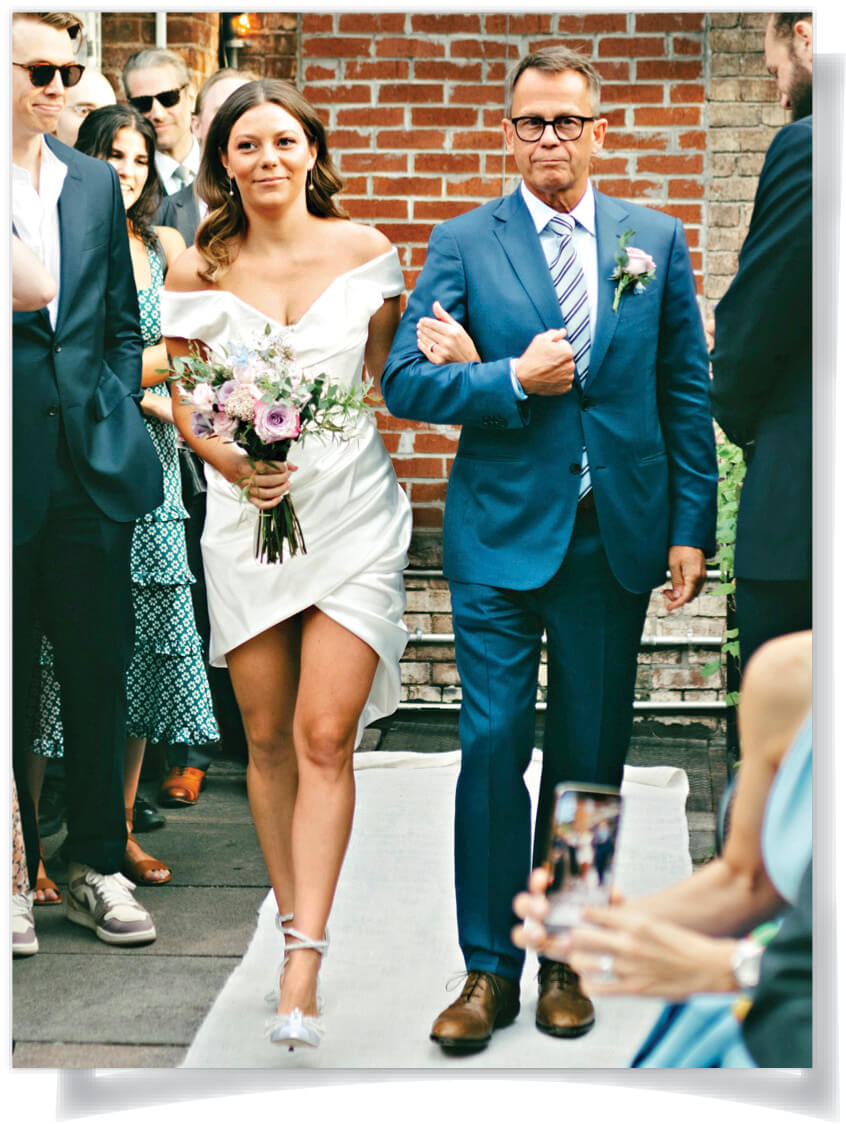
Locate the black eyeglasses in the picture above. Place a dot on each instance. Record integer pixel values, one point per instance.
(42, 73)
(567, 128)
(167, 99)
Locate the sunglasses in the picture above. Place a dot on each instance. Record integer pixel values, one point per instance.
(42, 73)
(167, 99)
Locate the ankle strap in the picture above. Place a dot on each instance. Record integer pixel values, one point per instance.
(281, 919)
(301, 941)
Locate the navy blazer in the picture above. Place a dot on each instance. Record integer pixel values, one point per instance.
(643, 413)
(761, 393)
(181, 211)
(88, 371)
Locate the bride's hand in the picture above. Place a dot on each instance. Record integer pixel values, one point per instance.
(268, 481)
(443, 340)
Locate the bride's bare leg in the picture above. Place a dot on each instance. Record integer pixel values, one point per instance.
(264, 673)
(336, 672)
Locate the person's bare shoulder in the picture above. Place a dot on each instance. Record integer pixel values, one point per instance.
(183, 275)
(363, 243)
(172, 242)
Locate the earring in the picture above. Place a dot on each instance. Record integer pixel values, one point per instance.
(231, 189)
(309, 184)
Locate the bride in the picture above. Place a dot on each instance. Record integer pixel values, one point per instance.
(313, 644)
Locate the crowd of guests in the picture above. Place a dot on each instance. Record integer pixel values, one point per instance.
(124, 635)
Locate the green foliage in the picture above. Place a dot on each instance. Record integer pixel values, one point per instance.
(732, 469)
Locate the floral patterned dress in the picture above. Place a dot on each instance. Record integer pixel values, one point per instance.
(167, 688)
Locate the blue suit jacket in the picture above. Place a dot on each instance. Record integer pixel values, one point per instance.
(643, 412)
(88, 371)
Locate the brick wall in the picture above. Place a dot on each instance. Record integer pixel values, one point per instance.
(193, 35)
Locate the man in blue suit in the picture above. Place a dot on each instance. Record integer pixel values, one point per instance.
(585, 466)
(84, 469)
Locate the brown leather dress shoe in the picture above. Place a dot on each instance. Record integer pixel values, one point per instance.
(181, 786)
(563, 1008)
(487, 1001)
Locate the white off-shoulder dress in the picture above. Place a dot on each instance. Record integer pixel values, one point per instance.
(355, 518)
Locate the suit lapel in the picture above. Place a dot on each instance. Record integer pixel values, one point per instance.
(516, 232)
(72, 205)
(610, 224)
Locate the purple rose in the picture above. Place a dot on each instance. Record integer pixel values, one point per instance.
(201, 425)
(639, 261)
(224, 426)
(276, 422)
(224, 390)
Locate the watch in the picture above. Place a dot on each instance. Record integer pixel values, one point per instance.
(746, 963)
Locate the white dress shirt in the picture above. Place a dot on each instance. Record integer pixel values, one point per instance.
(36, 215)
(166, 167)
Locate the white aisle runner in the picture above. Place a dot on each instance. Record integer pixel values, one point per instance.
(394, 943)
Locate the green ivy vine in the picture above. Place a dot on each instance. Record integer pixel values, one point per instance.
(732, 470)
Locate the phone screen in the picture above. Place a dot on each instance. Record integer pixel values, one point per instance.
(580, 856)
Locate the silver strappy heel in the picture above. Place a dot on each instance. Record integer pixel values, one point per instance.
(293, 1028)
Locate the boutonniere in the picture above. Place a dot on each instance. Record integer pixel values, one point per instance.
(635, 268)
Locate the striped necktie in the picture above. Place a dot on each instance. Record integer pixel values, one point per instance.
(571, 290)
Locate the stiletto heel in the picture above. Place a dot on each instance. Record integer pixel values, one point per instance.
(293, 1028)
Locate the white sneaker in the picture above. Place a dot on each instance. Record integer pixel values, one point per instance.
(24, 940)
(105, 903)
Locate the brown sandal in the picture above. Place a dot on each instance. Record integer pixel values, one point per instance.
(44, 882)
(137, 870)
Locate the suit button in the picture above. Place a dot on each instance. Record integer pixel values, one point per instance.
(52, 411)
(576, 468)
(57, 348)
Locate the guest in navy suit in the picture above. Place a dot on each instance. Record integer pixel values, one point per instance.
(83, 470)
(761, 393)
(585, 467)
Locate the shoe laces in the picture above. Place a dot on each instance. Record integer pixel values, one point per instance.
(114, 889)
(557, 973)
(472, 980)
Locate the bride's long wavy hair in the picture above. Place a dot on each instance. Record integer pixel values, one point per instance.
(226, 218)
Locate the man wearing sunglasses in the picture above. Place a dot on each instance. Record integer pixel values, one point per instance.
(585, 469)
(84, 469)
(158, 84)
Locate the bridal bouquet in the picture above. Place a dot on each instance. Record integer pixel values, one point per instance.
(260, 398)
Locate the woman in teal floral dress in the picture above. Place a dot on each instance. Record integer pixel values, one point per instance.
(167, 689)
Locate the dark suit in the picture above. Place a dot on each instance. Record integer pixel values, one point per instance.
(761, 394)
(84, 469)
(520, 553)
(181, 211)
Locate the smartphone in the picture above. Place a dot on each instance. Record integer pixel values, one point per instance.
(580, 856)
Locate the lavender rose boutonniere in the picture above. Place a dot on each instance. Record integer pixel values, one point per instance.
(262, 400)
(635, 268)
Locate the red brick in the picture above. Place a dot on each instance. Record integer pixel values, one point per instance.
(592, 23)
(352, 22)
(313, 22)
(376, 162)
(692, 235)
(687, 92)
(482, 49)
(497, 72)
(447, 116)
(434, 443)
(390, 441)
(500, 24)
(366, 70)
(482, 94)
(669, 21)
(445, 24)
(612, 166)
(696, 259)
(631, 189)
(439, 209)
(684, 46)
(355, 185)
(482, 138)
(402, 424)
(494, 165)
(406, 231)
(346, 47)
(336, 94)
(418, 253)
(320, 74)
(441, 70)
(492, 118)
(381, 116)
(407, 185)
(687, 212)
(694, 139)
(660, 70)
(410, 93)
(449, 163)
(615, 117)
(670, 165)
(625, 47)
(636, 140)
(427, 516)
(583, 45)
(416, 138)
(363, 207)
(632, 94)
(676, 115)
(477, 186)
(611, 71)
(409, 49)
(685, 189)
(419, 466)
(430, 493)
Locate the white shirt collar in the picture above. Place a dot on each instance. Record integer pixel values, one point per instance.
(166, 164)
(50, 179)
(584, 211)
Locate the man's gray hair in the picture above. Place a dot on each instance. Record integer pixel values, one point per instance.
(155, 56)
(555, 60)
